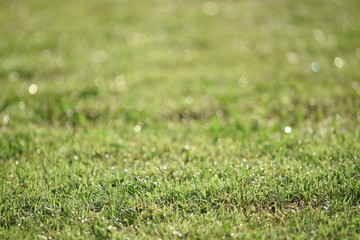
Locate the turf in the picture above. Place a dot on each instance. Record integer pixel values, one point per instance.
(179, 119)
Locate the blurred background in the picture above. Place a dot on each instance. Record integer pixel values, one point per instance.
(223, 68)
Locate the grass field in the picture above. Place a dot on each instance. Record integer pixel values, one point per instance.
(159, 119)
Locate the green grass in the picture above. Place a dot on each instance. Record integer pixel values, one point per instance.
(153, 119)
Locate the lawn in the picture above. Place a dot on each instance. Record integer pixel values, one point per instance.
(161, 119)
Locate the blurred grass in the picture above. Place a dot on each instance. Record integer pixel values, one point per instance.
(154, 119)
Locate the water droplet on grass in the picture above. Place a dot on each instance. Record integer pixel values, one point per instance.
(6, 119)
(137, 128)
(292, 57)
(315, 67)
(63, 149)
(99, 56)
(287, 129)
(319, 35)
(177, 233)
(220, 113)
(33, 89)
(339, 62)
(69, 113)
(111, 228)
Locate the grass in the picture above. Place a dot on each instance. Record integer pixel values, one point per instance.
(166, 119)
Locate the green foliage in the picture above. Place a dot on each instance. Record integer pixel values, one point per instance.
(179, 119)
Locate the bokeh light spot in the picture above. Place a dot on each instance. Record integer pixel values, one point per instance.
(33, 89)
(339, 62)
(137, 128)
(210, 8)
(287, 129)
(315, 67)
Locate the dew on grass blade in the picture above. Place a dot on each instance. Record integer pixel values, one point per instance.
(315, 67)
(137, 128)
(111, 228)
(177, 233)
(292, 57)
(287, 129)
(33, 89)
(63, 149)
(339, 62)
(69, 112)
(6, 119)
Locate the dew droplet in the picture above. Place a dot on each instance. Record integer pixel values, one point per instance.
(6, 119)
(137, 128)
(315, 67)
(287, 129)
(319, 35)
(33, 89)
(292, 57)
(339, 62)
(111, 228)
(69, 112)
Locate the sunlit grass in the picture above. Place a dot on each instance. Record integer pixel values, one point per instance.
(179, 119)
